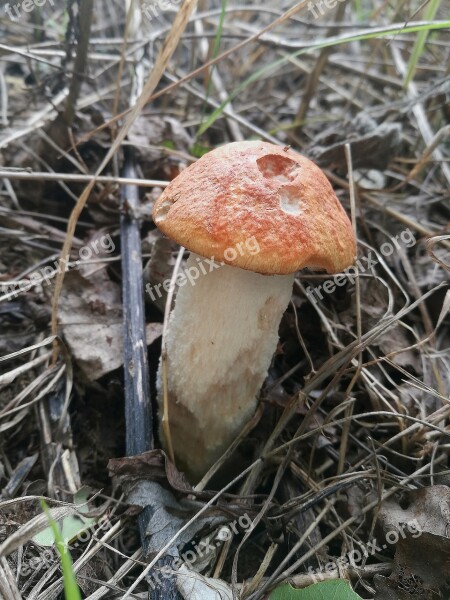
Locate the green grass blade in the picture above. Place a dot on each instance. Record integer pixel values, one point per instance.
(71, 589)
(218, 38)
(358, 10)
(215, 52)
(366, 34)
(419, 44)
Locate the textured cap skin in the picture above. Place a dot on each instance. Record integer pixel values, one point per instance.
(257, 191)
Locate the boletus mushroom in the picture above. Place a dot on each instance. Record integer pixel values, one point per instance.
(260, 212)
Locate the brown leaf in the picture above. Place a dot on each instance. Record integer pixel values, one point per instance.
(373, 146)
(90, 313)
(422, 556)
(427, 507)
(153, 465)
(421, 569)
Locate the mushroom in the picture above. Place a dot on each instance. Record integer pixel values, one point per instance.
(251, 214)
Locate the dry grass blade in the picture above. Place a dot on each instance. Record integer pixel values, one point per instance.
(436, 240)
(34, 526)
(353, 417)
(8, 585)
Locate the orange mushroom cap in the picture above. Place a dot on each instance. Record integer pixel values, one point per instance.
(258, 190)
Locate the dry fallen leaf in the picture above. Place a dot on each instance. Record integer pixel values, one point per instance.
(373, 145)
(152, 466)
(420, 524)
(90, 315)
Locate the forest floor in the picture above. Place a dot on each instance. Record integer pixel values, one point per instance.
(353, 423)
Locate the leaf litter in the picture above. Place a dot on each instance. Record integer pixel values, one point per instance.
(353, 428)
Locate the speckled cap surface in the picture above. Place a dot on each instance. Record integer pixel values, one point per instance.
(247, 191)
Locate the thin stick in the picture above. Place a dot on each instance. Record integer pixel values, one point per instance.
(85, 22)
(78, 178)
(137, 386)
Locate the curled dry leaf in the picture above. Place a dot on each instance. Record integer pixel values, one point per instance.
(173, 518)
(152, 466)
(169, 518)
(421, 524)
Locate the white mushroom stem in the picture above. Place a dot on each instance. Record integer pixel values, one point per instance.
(221, 337)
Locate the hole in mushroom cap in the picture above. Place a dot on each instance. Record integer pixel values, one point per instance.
(289, 201)
(163, 209)
(279, 168)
